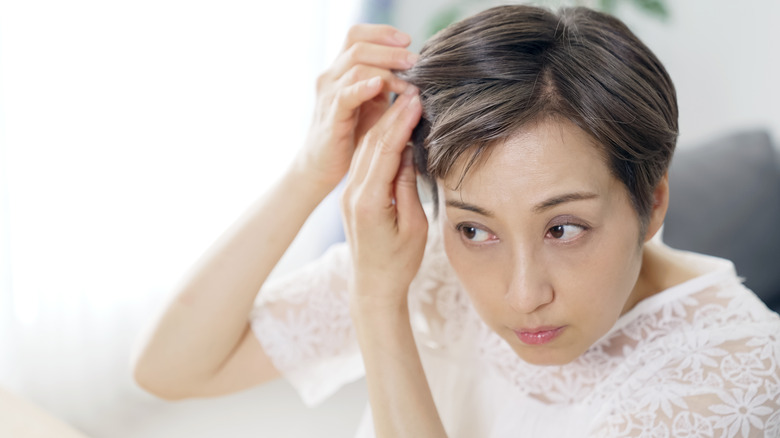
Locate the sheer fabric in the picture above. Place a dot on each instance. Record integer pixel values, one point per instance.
(699, 359)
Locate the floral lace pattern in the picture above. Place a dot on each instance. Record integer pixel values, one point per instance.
(699, 360)
(304, 318)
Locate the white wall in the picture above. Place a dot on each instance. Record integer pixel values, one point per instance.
(133, 133)
(723, 56)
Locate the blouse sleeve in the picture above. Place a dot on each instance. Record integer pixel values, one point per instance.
(303, 324)
(720, 384)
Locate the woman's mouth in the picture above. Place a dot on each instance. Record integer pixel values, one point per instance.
(538, 335)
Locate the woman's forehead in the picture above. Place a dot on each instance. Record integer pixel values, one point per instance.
(552, 155)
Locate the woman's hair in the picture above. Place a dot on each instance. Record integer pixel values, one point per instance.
(487, 76)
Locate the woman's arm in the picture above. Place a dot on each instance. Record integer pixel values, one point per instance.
(386, 230)
(202, 326)
(401, 401)
(202, 344)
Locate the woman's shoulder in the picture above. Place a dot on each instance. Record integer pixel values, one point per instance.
(700, 329)
(699, 292)
(702, 356)
(709, 309)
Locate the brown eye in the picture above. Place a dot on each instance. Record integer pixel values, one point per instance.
(473, 234)
(565, 232)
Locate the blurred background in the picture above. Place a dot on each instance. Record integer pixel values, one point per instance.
(133, 133)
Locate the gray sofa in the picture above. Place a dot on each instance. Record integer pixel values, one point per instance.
(725, 201)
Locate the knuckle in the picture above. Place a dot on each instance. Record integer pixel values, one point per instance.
(384, 146)
(337, 100)
(362, 208)
(344, 200)
(371, 137)
(354, 52)
(341, 99)
(322, 81)
(348, 201)
(354, 32)
(356, 73)
(406, 180)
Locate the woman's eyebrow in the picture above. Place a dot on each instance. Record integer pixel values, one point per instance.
(538, 208)
(557, 200)
(470, 207)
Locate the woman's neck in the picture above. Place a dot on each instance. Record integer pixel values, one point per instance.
(662, 268)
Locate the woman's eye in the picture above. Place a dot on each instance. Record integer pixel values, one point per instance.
(565, 232)
(473, 234)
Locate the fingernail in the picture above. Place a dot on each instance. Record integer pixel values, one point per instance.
(402, 38)
(414, 102)
(412, 59)
(374, 82)
(410, 90)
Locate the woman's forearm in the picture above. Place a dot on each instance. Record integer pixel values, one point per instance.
(401, 401)
(208, 315)
(200, 334)
(386, 229)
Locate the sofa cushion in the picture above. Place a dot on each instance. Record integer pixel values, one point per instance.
(725, 201)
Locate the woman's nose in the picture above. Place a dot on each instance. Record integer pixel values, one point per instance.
(528, 289)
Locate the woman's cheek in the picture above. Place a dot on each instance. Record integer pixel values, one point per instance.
(464, 264)
(481, 272)
(469, 265)
(604, 267)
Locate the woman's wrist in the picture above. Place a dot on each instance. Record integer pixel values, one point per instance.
(375, 306)
(401, 400)
(308, 180)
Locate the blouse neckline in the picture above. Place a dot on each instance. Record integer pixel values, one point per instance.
(714, 270)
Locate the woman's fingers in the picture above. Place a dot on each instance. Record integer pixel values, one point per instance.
(376, 55)
(395, 135)
(377, 34)
(351, 97)
(378, 159)
(384, 221)
(384, 227)
(361, 160)
(407, 200)
(361, 72)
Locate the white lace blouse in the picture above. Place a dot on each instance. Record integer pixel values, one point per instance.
(701, 359)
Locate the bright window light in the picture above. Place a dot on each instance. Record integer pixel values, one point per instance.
(135, 132)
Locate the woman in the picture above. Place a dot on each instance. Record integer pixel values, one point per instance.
(531, 298)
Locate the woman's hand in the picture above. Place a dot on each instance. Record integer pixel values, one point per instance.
(386, 229)
(386, 225)
(351, 96)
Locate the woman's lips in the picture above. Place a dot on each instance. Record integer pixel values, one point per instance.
(538, 335)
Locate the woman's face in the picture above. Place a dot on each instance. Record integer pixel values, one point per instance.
(545, 241)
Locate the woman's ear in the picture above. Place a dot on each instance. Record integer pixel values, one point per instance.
(660, 205)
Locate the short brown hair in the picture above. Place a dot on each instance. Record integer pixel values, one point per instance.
(483, 78)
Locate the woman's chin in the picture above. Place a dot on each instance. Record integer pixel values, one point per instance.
(548, 355)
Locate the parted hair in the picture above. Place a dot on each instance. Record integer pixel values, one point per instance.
(484, 78)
